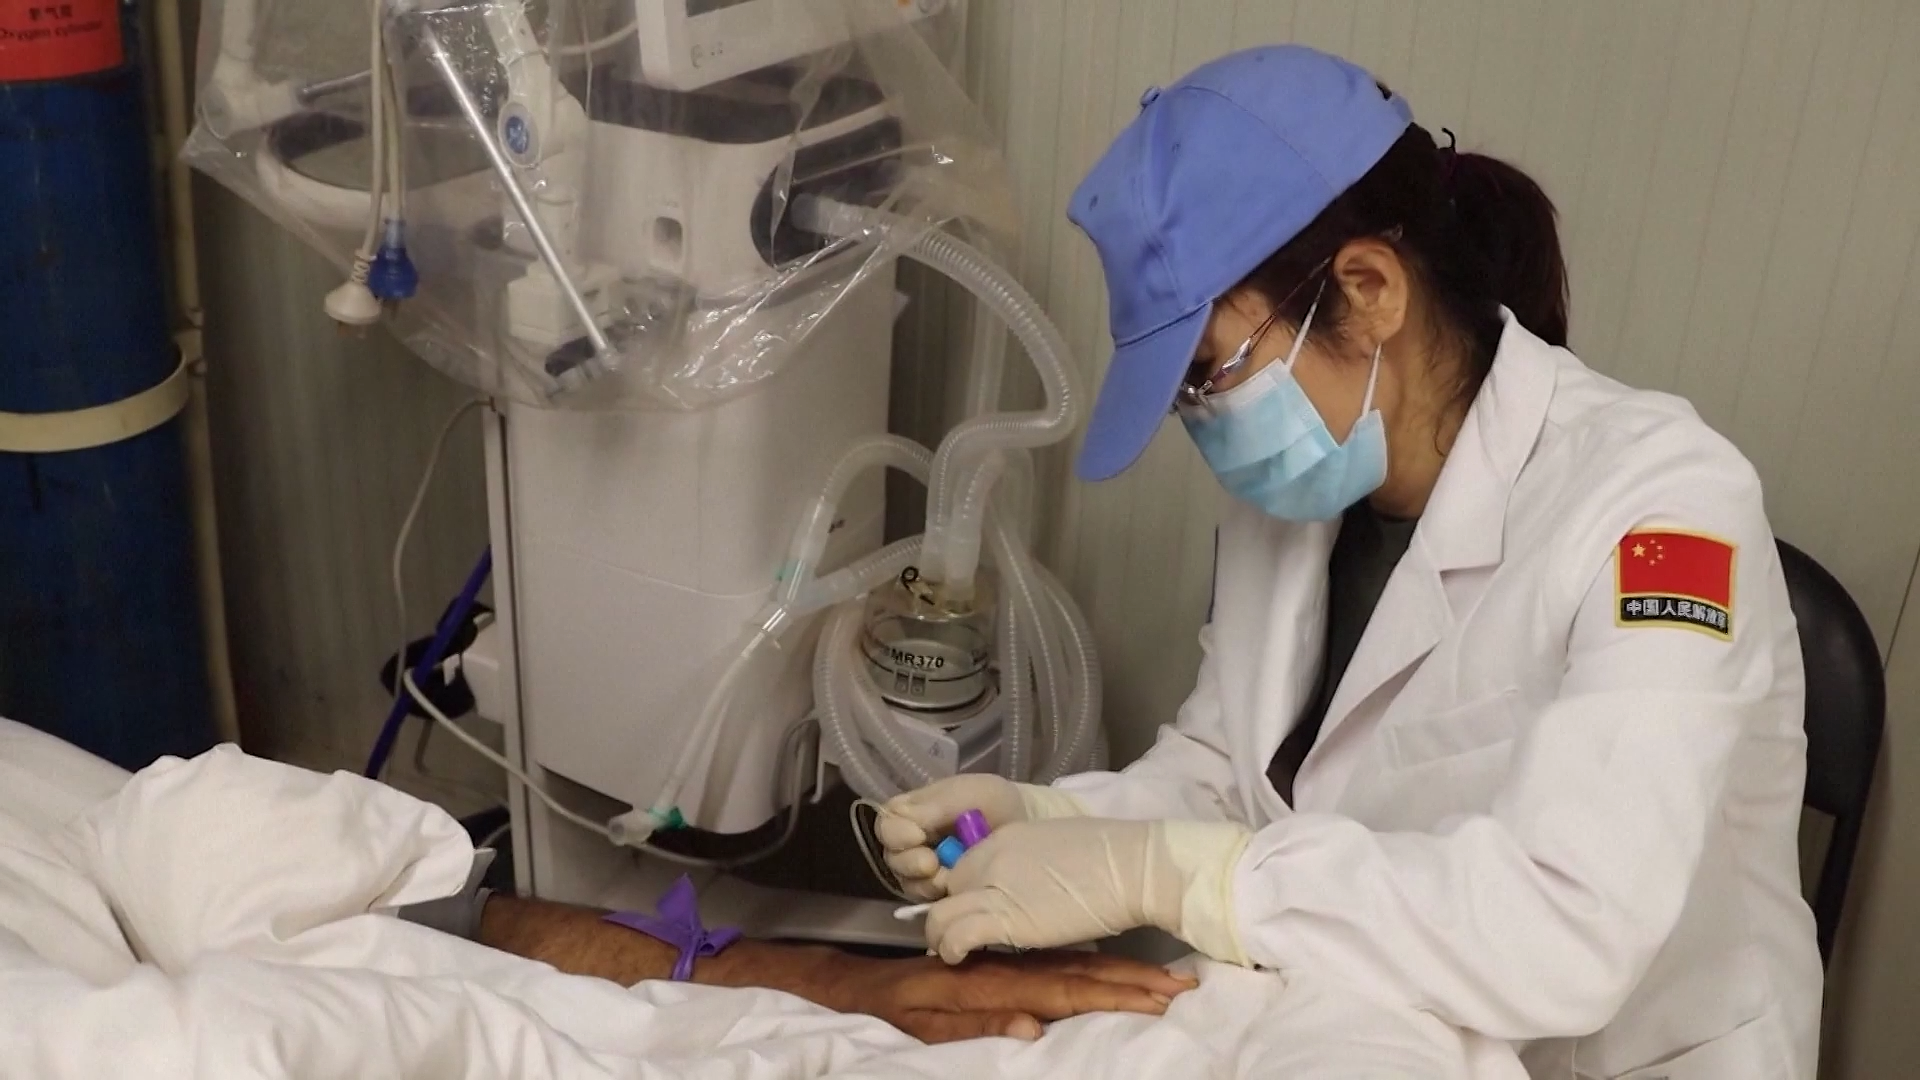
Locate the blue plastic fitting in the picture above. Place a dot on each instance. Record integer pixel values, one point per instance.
(392, 276)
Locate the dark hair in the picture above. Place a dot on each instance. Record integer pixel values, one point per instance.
(1476, 233)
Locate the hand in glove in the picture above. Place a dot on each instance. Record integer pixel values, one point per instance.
(912, 823)
(1067, 881)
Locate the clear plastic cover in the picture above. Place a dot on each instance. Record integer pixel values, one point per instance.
(588, 203)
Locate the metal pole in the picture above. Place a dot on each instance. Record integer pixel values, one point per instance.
(469, 108)
(320, 88)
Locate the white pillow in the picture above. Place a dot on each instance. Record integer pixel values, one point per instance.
(47, 782)
(46, 902)
(230, 852)
(55, 910)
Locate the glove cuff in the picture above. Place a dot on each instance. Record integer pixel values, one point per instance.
(1205, 856)
(1043, 803)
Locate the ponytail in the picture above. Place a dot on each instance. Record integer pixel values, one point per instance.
(1477, 233)
(1514, 228)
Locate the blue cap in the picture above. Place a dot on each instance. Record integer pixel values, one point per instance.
(1218, 172)
(949, 851)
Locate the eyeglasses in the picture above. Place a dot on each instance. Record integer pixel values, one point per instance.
(1201, 380)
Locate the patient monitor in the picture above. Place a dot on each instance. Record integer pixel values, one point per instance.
(687, 44)
(661, 237)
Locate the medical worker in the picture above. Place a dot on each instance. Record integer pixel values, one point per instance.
(1500, 711)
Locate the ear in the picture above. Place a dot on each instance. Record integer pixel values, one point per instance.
(1377, 287)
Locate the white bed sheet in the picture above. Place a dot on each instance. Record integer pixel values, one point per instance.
(221, 917)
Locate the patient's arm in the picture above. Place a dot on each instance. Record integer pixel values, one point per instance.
(921, 996)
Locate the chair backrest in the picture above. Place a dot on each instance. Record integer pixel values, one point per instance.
(1846, 711)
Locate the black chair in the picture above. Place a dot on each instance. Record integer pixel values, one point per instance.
(1846, 711)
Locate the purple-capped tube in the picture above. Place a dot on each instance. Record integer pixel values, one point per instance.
(971, 827)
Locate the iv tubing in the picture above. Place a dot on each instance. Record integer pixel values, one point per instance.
(810, 538)
(953, 531)
(377, 134)
(853, 716)
(1066, 671)
(450, 622)
(634, 828)
(866, 775)
(799, 596)
(1048, 667)
(1079, 744)
(396, 148)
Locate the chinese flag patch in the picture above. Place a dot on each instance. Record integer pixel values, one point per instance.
(1675, 579)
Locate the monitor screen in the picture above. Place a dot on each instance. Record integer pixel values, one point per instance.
(688, 44)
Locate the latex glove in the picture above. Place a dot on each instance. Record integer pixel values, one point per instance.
(1042, 884)
(910, 824)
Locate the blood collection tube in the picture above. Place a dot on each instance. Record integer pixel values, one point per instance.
(971, 828)
(968, 830)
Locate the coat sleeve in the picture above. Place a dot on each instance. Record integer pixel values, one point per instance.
(1186, 775)
(1537, 918)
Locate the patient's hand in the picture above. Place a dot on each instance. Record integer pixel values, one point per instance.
(990, 995)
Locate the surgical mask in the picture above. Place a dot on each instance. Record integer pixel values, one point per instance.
(1269, 446)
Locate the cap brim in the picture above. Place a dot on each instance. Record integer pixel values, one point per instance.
(1139, 389)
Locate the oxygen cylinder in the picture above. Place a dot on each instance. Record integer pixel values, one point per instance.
(100, 640)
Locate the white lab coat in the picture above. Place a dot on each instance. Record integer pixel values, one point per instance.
(1520, 816)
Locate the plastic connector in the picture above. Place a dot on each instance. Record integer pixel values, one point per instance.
(392, 277)
(353, 306)
(635, 827)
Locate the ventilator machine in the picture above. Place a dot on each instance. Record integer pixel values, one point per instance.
(660, 238)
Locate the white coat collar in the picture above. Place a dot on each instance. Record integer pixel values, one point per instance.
(1462, 528)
